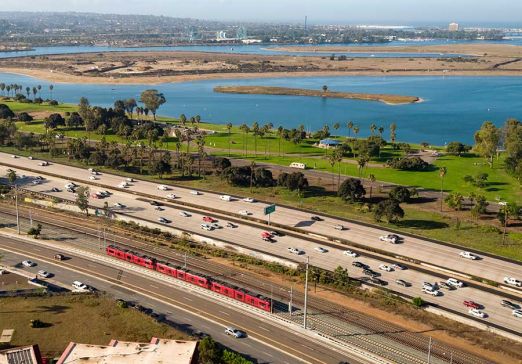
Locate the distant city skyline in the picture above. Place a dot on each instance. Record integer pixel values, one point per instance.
(335, 11)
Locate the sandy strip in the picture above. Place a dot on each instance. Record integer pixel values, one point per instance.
(58, 77)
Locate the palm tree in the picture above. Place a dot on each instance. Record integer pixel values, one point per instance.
(361, 162)
(393, 129)
(338, 155)
(373, 127)
(11, 176)
(372, 179)
(200, 141)
(8, 89)
(245, 129)
(380, 130)
(325, 88)
(28, 91)
(35, 91)
(252, 169)
(51, 87)
(229, 128)
(332, 160)
(355, 131)
(39, 87)
(336, 126)
(349, 125)
(442, 173)
(267, 130)
(280, 132)
(2, 87)
(255, 132)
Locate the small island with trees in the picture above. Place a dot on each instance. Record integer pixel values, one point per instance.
(323, 92)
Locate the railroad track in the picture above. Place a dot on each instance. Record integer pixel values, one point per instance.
(369, 327)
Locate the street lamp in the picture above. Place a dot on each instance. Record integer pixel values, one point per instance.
(306, 293)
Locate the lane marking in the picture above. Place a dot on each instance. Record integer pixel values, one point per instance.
(264, 328)
(188, 299)
(225, 313)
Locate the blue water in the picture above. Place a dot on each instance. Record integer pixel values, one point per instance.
(454, 107)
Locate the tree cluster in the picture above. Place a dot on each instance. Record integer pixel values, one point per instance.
(409, 164)
(293, 181)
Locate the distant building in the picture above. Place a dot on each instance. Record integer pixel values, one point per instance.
(453, 27)
(21, 355)
(124, 352)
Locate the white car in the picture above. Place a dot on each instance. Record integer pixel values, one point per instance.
(477, 313)
(206, 227)
(234, 332)
(517, 313)
(390, 238)
(339, 227)
(163, 220)
(295, 251)
(30, 157)
(454, 283)
(93, 178)
(249, 199)
(44, 274)
(159, 208)
(225, 198)
(398, 266)
(163, 188)
(129, 179)
(215, 225)
(320, 249)
(195, 193)
(36, 182)
(79, 286)
(245, 213)
(513, 281)
(70, 185)
(123, 185)
(28, 263)
(95, 173)
(171, 196)
(468, 255)
(43, 164)
(119, 205)
(433, 292)
(386, 268)
(14, 156)
(350, 253)
(427, 285)
(184, 214)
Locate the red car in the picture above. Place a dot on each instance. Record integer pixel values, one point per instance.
(209, 219)
(266, 234)
(471, 304)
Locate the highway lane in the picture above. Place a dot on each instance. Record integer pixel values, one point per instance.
(193, 313)
(249, 236)
(448, 257)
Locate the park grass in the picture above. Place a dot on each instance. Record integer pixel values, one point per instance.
(500, 185)
(81, 318)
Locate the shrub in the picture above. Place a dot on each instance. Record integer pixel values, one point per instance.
(351, 190)
(408, 164)
(400, 194)
(23, 116)
(390, 209)
(417, 301)
(6, 112)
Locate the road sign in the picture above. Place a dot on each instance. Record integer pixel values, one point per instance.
(270, 209)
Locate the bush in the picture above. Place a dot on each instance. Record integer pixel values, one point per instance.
(417, 301)
(36, 324)
(53, 103)
(390, 209)
(25, 117)
(457, 148)
(408, 164)
(6, 112)
(400, 194)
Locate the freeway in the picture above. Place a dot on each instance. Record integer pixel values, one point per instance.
(185, 309)
(423, 250)
(250, 237)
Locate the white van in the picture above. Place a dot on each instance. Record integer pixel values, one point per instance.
(225, 198)
(297, 165)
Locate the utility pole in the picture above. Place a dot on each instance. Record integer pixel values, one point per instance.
(504, 204)
(429, 352)
(306, 292)
(17, 212)
(290, 308)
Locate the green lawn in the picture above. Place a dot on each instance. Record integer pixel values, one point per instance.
(100, 320)
(500, 184)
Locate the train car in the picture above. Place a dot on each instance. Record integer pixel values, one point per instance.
(200, 280)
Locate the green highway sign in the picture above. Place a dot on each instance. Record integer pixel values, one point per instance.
(270, 209)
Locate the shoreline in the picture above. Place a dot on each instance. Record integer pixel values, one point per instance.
(58, 77)
(388, 99)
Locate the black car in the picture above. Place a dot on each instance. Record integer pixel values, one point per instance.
(155, 203)
(359, 265)
(402, 282)
(509, 304)
(371, 273)
(316, 218)
(378, 281)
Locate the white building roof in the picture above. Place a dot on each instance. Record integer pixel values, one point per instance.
(158, 351)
